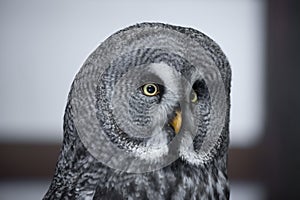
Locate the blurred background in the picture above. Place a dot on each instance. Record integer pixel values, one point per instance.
(44, 43)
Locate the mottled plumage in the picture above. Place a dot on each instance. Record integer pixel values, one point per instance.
(121, 142)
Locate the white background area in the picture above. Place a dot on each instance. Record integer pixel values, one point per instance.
(44, 43)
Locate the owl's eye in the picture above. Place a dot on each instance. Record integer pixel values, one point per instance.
(150, 89)
(194, 97)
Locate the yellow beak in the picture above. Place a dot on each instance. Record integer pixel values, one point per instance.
(176, 122)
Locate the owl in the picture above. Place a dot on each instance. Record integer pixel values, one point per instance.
(147, 117)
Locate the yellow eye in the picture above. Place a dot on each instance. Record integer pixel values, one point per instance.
(194, 97)
(150, 89)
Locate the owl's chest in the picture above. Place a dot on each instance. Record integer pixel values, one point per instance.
(166, 184)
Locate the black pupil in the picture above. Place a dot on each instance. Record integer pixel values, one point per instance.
(150, 89)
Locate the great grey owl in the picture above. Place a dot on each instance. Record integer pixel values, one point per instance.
(147, 117)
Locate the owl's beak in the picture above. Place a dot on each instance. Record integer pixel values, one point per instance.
(176, 121)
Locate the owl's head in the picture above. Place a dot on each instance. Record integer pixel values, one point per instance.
(153, 93)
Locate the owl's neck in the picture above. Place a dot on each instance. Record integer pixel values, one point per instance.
(79, 174)
(176, 181)
(97, 181)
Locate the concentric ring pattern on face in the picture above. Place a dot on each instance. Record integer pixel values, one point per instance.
(125, 60)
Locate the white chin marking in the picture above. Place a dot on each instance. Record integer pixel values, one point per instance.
(187, 152)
